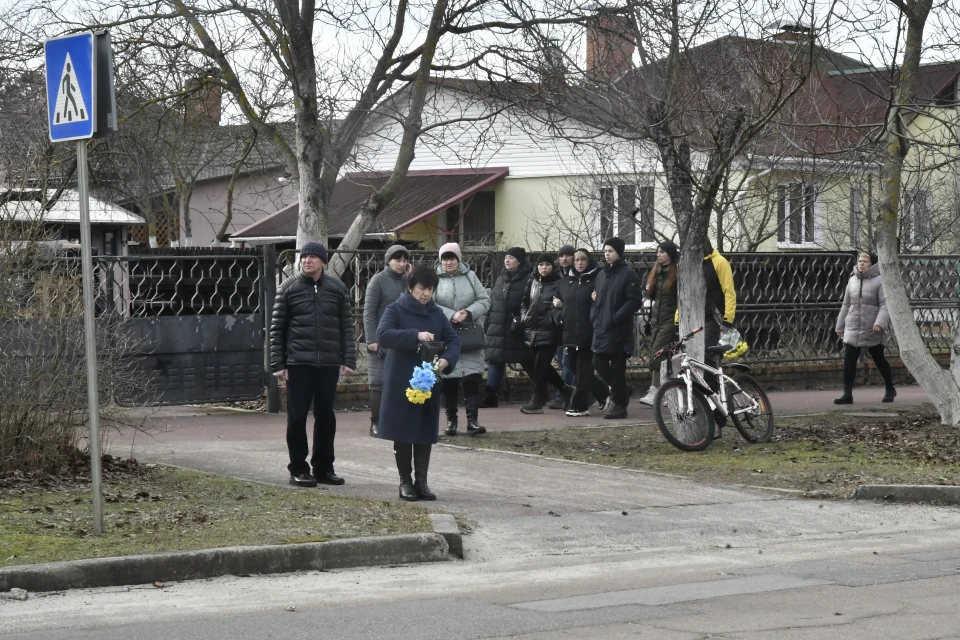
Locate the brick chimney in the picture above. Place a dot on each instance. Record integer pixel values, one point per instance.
(205, 102)
(790, 31)
(610, 46)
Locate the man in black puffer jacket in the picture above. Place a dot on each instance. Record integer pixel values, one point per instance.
(311, 346)
(618, 296)
(501, 327)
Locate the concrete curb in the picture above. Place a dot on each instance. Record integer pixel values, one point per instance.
(909, 493)
(446, 525)
(211, 563)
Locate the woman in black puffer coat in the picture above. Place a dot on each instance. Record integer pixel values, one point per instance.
(541, 332)
(572, 310)
(504, 339)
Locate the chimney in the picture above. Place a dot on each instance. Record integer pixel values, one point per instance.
(790, 31)
(205, 102)
(610, 46)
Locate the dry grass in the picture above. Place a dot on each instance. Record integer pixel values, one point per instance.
(154, 509)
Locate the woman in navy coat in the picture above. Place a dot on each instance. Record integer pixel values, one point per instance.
(414, 428)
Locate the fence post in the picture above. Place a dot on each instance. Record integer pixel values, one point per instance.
(269, 293)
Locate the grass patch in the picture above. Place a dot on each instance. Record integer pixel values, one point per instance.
(156, 509)
(826, 455)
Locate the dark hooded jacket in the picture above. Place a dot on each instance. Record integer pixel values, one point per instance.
(312, 324)
(503, 344)
(619, 296)
(575, 292)
(536, 310)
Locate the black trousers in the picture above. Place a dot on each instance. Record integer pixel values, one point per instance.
(306, 385)
(612, 369)
(471, 386)
(543, 372)
(850, 356)
(711, 338)
(581, 362)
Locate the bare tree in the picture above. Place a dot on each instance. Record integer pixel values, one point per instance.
(942, 387)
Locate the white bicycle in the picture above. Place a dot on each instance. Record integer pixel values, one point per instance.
(685, 404)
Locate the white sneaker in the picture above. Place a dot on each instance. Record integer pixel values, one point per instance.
(651, 395)
(577, 414)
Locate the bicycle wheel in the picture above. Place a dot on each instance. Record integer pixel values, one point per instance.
(687, 426)
(755, 424)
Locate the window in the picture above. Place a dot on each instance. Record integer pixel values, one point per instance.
(627, 211)
(917, 219)
(476, 227)
(856, 216)
(796, 215)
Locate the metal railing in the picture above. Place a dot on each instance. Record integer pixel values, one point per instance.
(787, 303)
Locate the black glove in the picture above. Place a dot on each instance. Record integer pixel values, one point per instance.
(728, 325)
(647, 329)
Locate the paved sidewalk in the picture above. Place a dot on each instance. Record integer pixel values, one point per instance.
(525, 506)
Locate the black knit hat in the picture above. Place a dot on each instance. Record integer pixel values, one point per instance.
(517, 252)
(566, 250)
(616, 244)
(670, 249)
(314, 249)
(547, 257)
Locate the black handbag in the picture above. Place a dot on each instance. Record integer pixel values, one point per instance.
(430, 351)
(471, 336)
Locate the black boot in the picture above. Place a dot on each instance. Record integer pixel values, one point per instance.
(421, 461)
(846, 398)
(490, 399)
(890, 394)
(403, 452)
(375, 397)
(450, 404)
(472, 400)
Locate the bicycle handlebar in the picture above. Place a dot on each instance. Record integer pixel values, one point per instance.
(673, 345)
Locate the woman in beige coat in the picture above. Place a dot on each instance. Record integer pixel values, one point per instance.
(864, 323)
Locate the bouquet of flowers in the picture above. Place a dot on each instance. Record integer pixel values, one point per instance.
(421, 384)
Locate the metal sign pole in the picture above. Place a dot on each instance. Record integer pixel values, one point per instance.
(90, 335)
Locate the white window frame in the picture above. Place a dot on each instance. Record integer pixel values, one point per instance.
(785, 230)
(610, 196)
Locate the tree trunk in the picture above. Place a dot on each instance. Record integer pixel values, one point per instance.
(940, 388)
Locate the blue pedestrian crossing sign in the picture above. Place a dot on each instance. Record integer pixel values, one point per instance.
(71, 87)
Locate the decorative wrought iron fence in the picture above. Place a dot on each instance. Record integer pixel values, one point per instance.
(787, 303)
(144, 286)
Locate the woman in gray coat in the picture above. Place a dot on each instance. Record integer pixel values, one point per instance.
(383, 290)
(864, 323)
(462, 298)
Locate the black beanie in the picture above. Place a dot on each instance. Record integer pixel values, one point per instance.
(566, 250)
(616, 244)
(671, 250)
(314, 249)
(517, 252)
(547, 257)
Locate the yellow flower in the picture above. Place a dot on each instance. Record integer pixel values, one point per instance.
(418, 397)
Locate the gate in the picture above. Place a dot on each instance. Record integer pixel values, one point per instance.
(194, 319)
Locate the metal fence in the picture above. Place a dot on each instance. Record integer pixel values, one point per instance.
(787, 303)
